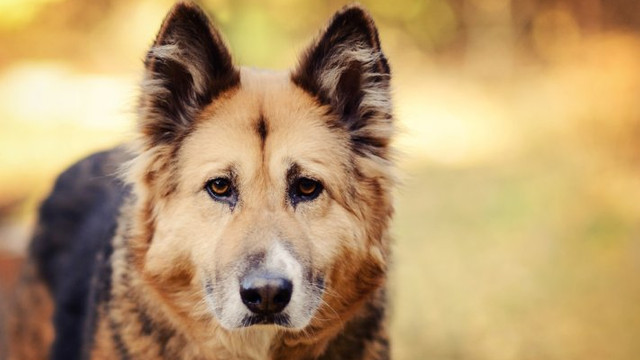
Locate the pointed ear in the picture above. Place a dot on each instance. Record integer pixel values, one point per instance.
(346, 69)
(187, 66)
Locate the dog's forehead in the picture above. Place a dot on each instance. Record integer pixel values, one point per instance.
(267, 118)
(267, 96)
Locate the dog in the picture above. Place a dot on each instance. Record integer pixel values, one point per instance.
(249, 219)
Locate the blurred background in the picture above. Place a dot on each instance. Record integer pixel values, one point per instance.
(518, 221)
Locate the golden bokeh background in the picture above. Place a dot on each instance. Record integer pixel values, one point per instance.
(518, 220)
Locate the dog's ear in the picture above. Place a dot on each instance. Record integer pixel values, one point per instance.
(346, 69)
(187, 66)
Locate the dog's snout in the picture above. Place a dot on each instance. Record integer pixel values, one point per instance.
(265, 293)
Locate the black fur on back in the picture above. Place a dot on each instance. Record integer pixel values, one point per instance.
(72, 243)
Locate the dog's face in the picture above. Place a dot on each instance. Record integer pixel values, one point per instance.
(266, 195)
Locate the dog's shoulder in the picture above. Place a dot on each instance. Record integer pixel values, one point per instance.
(84, 199)
(72, 239)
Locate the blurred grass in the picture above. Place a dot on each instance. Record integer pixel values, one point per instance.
(518, 223)
(514, 261)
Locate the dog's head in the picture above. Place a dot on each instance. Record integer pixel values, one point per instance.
(264, 197)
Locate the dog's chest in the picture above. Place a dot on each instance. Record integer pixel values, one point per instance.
(248, 344)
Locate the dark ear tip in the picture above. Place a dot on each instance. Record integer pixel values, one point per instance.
(184, 7)
(355, 17)
(355, 10)
(183, 12)
(354, 13)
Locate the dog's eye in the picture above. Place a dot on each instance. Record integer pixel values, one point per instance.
(306, 186)
(219, 187)
(306, 189)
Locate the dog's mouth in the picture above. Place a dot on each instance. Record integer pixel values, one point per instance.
(271, 319)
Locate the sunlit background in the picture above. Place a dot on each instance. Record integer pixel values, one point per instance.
(518, 222)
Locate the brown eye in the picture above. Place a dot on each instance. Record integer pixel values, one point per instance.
(219, 187)
(305, 189)
(307, 186)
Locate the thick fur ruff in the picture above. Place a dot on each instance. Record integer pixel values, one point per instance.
(249, 219)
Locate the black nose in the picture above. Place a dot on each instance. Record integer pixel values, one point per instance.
(265, 294)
